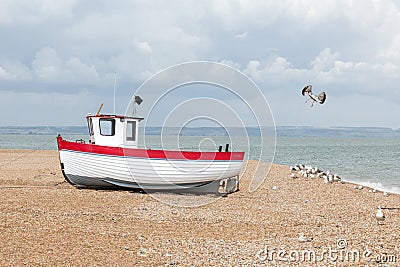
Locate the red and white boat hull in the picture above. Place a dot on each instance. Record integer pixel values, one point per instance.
(88, 165)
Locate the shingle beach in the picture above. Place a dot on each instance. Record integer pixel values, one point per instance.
(44, 221)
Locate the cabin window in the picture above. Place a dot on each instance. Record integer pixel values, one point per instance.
(107, 127)
(90, 125)
(131, 131)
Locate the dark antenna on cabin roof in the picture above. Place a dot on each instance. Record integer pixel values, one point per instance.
(137, 100)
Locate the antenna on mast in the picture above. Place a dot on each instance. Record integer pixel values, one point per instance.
(115, 83)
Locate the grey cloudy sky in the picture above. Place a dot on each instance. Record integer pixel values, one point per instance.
(58, 58)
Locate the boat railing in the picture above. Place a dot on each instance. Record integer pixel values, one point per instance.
(188, 148)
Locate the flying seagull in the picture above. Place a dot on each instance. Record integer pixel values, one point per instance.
(315, 98)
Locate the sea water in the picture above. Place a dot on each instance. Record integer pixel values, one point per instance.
(371, 162)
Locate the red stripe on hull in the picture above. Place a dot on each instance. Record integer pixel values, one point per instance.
(147, 153)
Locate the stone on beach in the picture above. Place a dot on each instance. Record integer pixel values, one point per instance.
(302, 238)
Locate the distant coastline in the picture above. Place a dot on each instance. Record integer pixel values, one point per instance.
(281, 131)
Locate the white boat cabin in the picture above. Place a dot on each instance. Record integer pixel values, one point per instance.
(113, 130)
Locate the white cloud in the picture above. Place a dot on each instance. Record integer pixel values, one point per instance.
(3, 73)
(262, 14)
(231, 64)
(34, 11)
(325, 60)
(17, 71)
(49, 67)
(276, 73)
(241, 36)
(392, 51)
(80, 72)
(144, 47)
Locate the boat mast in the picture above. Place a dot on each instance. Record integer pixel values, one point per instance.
(115, 83)
(134, 107)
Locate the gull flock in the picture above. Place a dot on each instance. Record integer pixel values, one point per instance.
(300, 170)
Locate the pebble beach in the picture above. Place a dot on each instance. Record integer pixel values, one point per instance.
(44, 221)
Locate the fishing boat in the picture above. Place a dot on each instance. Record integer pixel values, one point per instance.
(112, 158)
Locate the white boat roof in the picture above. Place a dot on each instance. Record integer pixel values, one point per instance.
(113, 116)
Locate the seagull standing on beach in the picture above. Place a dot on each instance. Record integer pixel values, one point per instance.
(336, 178)
(379, 215)
(315, 98)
